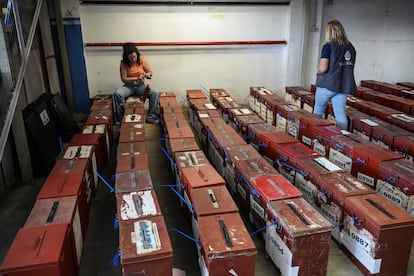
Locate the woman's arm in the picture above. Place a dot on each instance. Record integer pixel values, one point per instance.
(323, 65)
(147, 68)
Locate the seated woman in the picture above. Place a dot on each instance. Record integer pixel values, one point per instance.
(133, 71)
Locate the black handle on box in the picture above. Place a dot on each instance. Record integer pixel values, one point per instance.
(52, 212)
(225, 233)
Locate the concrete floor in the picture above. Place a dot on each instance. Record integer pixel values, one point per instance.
(101, 242)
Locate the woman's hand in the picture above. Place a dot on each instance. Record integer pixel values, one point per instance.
(141, 77)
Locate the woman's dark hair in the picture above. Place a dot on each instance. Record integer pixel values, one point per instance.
(129, 48)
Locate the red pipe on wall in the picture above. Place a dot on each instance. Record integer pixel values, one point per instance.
(201, 43)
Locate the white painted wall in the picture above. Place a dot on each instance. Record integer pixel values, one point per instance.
(381, 30)
(179, 68)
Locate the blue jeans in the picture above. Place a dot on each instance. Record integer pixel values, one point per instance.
(338, 100)
(134, 89)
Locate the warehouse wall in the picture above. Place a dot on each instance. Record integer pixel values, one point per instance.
(178, 68)
(381, 31)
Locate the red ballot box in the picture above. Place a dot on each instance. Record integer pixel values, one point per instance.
(145, 247)
(68, 178)
(240, 152)
(366, 160)
(133, 181)
(375, 230)
(130, 149)
(137, 205)
(269, 188)
(84, 152)
(132, 132)
(103, 131)
(208, 201)
(61, 210)
(333, 189)
(132, 163)
(40, 250)
(226, 246)
(81, 139)
(297, 237)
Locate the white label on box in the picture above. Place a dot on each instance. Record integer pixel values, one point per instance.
(286, 172)
(251, 102)
(319, 148)
(77, 235)
(194, 224)
(187, 200)
(293, 128)
(279, 252)
(241, 191)
(366, 179)
(132, 118)
(288, 97)
(326, 164)
(296, 102)
(331, 118)
(85, 151)
(203, 115)
(95, 169)
(257, 106)
(137, 204)
(269, 117)
(263, 111)
(393, 194)
(264, 91)
(146, 237)
(245, 111)
(340, 159)
(230, 174)
(331, 211)
(308, 189)
(108, 150)
(280, 123)
(209, 106)
(100, 128)
(88, 129)
(70, 152)
(307, 107)
(381, 144)
(404, 117)
(410, 206)
(88, 192)
(306, 140)
(373, 265)
(202, 264)
(369, 122)
(44, 117)
(256, 207)
(361, 135)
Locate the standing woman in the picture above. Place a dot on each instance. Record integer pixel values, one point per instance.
(335, 75)
(133, 71)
